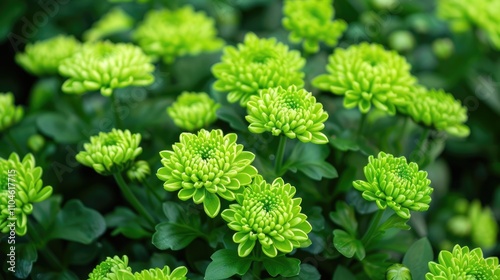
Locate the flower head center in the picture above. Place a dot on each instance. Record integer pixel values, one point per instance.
(4, 180)
(111, 140)
(262, 56)
(205, 152)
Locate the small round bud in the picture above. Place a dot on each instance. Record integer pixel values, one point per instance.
(398, 271)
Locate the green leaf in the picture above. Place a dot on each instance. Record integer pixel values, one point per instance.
(375, 265)
(126, 222)
(309, 159)
(342, 273)
(12, 10)
(345, 217)
(226, 263)
(307, 272)
(26, 255)
(62, 128)
(281, 265)
(174, 236)
(46, 211)
(234, 116)
(417, 257)
(315, 218)
(77, 223)
(43, 93)
(344, 144)
(348, 245)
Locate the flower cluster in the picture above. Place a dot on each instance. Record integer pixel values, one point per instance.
(170, 34)
(366, 75)
(155, 274)
(462, 15)
(311, 21)
(437, 109)
(290, 111)
(44, 57)
(109, 268)
(462, 263)
(111, 152)
(257, 64)
(106, 66)
(20, 182)
(205, 166)
(113, 22)
(393, 182)
(270, 214)
(192, 111)
(9, 113)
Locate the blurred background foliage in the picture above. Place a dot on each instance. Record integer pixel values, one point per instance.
(465, 64)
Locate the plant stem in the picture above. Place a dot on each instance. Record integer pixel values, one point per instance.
(372, 229)
(115, 104)
(361, 125)
(35, 239)
(399, 137)
(257, 263)
(279, 155)
(419, 149)
(132, 199)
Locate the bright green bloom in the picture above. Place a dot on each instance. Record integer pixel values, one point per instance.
(443, 48)
(20, 182)
(398, 271)
(44, 57)
(111, 152)
(395, 183)
(114, 21)
(9, 113)
(139, 171)
(438, 109)
(311, 21)
(171, 34)
(401, 41)
(205, 166)
(106, 66)
(367, 74)
(291, 111)
(484, 227)
(108, 269)
(462, 15)
(268, 213)
(155, 274)
(257, 64)
(192, 111)
(463, 264)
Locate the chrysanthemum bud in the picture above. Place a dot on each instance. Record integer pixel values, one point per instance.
(139, 171)
(270, 214)
(366, 75)
(114, 21)
(311, 21)
(111, 152)
(398, 271)
(106, 66)
(395, 183)
(290, 111)
(192, 111)
(257, 64)
(108, 269)
(9, 113)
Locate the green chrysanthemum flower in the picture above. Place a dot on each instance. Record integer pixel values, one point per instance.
(106, 66)
(111, 152)
(367, 74)
(44, 57)
(311, 21)
(156, 274)
(395, 183)
(108, 269)
(268, 213)
(398, 271)
(193, 111)
(206, 166)
(293, 112)
(462, 15)
(257, 64)
(438, 109)
(139, 171)
(21, 185)
(9, 113)
(113, 22)
(462, 263)
(170, 34)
